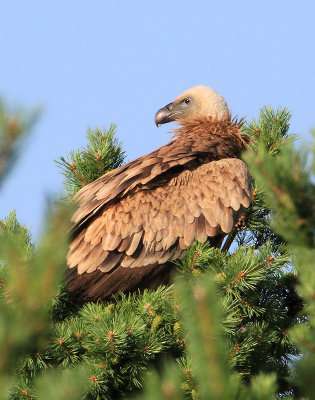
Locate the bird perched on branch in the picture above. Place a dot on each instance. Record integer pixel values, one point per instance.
(133, 220)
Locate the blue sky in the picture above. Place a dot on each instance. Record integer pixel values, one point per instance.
(97, 62)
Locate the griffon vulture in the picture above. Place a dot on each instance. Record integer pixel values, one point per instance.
(133, 220)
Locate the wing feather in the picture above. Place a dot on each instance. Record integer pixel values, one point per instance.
(150, 226)
(94, 259)
(201, 229)
(111, 261)
(134, 243)
(227, 221)
(124, 244)
(111, 242)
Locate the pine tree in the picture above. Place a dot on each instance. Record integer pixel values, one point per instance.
(237, 323)
(29, 278)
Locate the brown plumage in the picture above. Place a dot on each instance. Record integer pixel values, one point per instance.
(134, 219)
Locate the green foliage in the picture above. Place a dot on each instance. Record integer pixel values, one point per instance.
(29, 276)
(67, 384)
(270, 132)
(11, 227)
(15, 126)
(115, 342)
(102, 154)
(288, 181)
(29, 279)
(233, 326)
(258, 305)
(29, 283)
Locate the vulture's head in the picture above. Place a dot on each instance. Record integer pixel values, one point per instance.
(195, 102)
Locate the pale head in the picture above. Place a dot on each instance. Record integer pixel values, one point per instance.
(199, 101)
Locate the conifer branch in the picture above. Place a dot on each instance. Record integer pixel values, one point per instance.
(230, 315)
(102, 154)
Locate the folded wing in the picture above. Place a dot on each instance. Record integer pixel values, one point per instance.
(149, 213)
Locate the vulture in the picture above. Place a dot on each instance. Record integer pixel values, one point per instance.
(133, 220)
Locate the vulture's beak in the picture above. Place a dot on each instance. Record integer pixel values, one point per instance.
(164, 115)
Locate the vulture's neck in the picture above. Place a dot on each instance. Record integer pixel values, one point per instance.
(217, 138)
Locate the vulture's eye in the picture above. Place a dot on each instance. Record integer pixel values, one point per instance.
(187, 101)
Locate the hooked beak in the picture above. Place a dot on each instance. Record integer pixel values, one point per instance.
(164, 115)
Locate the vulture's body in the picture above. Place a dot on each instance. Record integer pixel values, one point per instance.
(133, 220)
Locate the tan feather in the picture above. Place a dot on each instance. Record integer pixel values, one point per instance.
(227, 221)
(178, 227)
(125, 243)
(118, 226)
(134, 243)
(210, 230)
(110, 262)
(197, 210)
(106, 240)
(125, 230)
(97, 239)
(75, 243)
(127, 261)
(235, 202)
(190, 232)
(189, 218)
(164, 233)
(149, 236)
(182, 244)
(201, 229)
(111, 225)
(245, 201)
(218, 210)
(150, 161)
(151, 258)
(113, 243)
(140, 260)
(75, 257)
(168, 241)
(158, 236)
(158, 246)
(165, 256)
(208, 213)
(95, 258)
(225, 200)
(126, 217)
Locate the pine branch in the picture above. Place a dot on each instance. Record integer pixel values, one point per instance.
(102, 154)
(15, 126)
(29, 279)
(288, 181)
